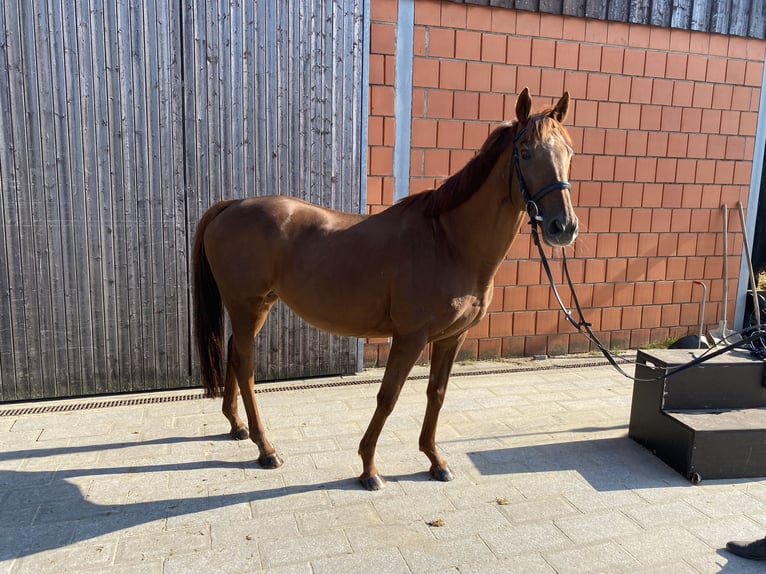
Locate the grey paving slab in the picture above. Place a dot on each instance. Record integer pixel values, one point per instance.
(546, 481)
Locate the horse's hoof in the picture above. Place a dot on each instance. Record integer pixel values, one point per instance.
(270, 461)
(240, 434)
(442, 474)
(371, 483)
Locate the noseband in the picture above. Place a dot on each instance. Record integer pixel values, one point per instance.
(530, 201)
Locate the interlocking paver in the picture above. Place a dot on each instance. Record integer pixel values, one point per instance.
(546, 481)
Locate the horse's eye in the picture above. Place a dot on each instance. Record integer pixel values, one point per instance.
(524, 153)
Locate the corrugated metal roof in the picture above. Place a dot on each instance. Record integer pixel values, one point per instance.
(732, 17)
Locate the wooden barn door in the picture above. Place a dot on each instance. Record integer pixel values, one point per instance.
(274, 105)
(120, 123)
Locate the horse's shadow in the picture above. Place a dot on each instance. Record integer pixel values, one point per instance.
(43, 510)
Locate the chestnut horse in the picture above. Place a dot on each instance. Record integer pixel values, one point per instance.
(420, 272)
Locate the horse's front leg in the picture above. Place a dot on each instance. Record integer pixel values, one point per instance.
(404, 352)
(442, 357)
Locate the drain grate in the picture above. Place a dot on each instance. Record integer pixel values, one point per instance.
(149, 400)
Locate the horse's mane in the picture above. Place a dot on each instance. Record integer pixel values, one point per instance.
(459, 187)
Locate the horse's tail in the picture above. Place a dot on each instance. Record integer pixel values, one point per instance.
(208, 309)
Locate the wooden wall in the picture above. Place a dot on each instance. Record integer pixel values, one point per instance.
(120, 123)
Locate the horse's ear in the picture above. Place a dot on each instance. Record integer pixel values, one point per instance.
(559, 113)
(523, 105)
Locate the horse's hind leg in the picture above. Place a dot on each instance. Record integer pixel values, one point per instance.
(442, 357)
(245, 325)
(230, 394)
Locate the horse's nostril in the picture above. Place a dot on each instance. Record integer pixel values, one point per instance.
(556, 227)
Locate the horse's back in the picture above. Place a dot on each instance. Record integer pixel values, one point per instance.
(323, 263)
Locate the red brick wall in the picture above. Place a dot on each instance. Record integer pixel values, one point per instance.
(664, 128)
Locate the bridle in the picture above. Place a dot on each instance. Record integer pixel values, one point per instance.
(531, 201)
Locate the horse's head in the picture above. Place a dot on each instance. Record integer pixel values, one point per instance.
(542, 154)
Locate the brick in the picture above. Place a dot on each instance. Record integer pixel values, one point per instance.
(385, 10)
(590, 57)
(436, 163)
(703, 96)
(659, 38)
(658, 143)
(474, 134)
(696, 68)
(449, 134)
(478, 77)
(625, 169)
(711, 121)
(519, 50)
(453, 15)
(598, 86)
(619, 88)
(633, 62)
(655, 65)
(381, 101)
(567, 55)
(641, 90)
(523, 323)
(617, 33)
(425, 72)
(552, 83)
(500, 324)
(466, 105)
(630, 119)
(662, 92)
(381, 161)
(680, 40)
(493, 48)
(452, 75)
(527, 23)
(638, 35)
(543, 53)
(661, 220)
(377, 69)
(677, 144)
(440, 104)
(458, 159)
(651, 118)
(529, 78)
(478, 17)
(382, 38)
(754, 73)
(612, 59)
(504, 21)
(608, 115)
(574, 29)
(419, 42)
(670, 119)
(716, 70)
(468, 45)
(741, 98)
(596, 31)
(503, 78)
(490, 106)
(441, 43)
(735, 72)
(676, 66)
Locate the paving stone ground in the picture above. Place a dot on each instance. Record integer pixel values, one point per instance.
(547, 481)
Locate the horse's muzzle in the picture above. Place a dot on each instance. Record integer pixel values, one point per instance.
(559, 231)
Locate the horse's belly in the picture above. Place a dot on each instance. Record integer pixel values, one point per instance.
(341, 315)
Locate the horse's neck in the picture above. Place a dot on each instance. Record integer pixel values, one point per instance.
(484, 227)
